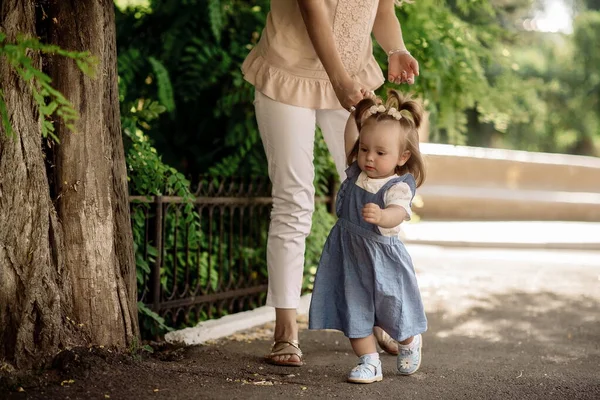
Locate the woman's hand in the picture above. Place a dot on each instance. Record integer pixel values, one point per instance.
(371, 213)
(349, 92)
(402, 68)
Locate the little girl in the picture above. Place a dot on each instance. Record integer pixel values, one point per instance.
(366, 277)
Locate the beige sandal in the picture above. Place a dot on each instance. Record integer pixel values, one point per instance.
(285, 348)
(386, 342)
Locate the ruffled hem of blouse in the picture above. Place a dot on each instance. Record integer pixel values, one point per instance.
(315, 93)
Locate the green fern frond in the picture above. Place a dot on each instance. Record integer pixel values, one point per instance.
(129, 63)
(165, 89)
(215, 17)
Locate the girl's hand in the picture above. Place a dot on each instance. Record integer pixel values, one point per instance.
(349, 92)
(402, 68)
(371, 212)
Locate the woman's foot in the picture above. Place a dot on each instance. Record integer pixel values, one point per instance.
(285, 353)
(385, 341)
(368, 370)
(286, 350)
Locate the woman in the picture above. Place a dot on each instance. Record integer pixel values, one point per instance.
(313, 63)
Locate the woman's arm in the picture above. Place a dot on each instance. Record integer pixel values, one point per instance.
(388, 34)
(320, 32)
(386, 28)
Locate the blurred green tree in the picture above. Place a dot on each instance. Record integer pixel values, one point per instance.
(187, 55)
(554, 96)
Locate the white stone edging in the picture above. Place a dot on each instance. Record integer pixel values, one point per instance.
(229, 324)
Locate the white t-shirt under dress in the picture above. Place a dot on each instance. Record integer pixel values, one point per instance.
(399, 195)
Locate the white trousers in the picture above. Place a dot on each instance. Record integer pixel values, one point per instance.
(288, 136)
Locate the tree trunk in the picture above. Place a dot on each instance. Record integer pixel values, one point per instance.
(67, 270)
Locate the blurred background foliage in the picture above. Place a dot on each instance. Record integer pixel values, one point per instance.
(494, 73)
(486, 78)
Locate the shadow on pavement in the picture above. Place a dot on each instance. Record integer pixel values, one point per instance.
(511, 345)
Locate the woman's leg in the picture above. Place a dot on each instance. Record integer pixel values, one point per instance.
(287, 133)
(332, 124)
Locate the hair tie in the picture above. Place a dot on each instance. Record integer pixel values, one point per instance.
(397, 115)
(392, 112)
(376, 109)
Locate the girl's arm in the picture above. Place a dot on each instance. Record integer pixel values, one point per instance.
(320, 32)
(397, 207)
(350, 134)
(389, 217)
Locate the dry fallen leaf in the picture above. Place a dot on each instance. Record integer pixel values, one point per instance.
(263, 383)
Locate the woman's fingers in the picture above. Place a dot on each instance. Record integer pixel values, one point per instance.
(402, 68)
(414, 66)
(369, 94)
(355, 94)
(404, 77)
(356, 98)
(352, 100)
(396, 79)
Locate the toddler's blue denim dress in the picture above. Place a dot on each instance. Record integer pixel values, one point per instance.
(364, 278)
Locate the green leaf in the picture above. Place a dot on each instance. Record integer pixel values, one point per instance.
(165, 90)
(215, 16)
(47, 128)
(160, 321)
(42, 77)
(148, 348)
(87, 65)
(50, 108)
(4, 114)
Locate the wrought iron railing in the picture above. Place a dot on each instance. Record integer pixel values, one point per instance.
(205, 255)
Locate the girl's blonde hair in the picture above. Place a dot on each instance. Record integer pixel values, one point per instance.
(412, 116)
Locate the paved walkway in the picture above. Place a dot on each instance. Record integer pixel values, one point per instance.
(503, 324)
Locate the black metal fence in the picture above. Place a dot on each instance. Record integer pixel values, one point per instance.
(204, 257)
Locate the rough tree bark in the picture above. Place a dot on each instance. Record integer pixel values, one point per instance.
(67, 269)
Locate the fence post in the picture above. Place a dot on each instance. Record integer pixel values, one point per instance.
(158, 242)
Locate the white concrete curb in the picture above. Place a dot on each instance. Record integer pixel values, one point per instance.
(506, 245)
(555, 235)
(228, 325)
